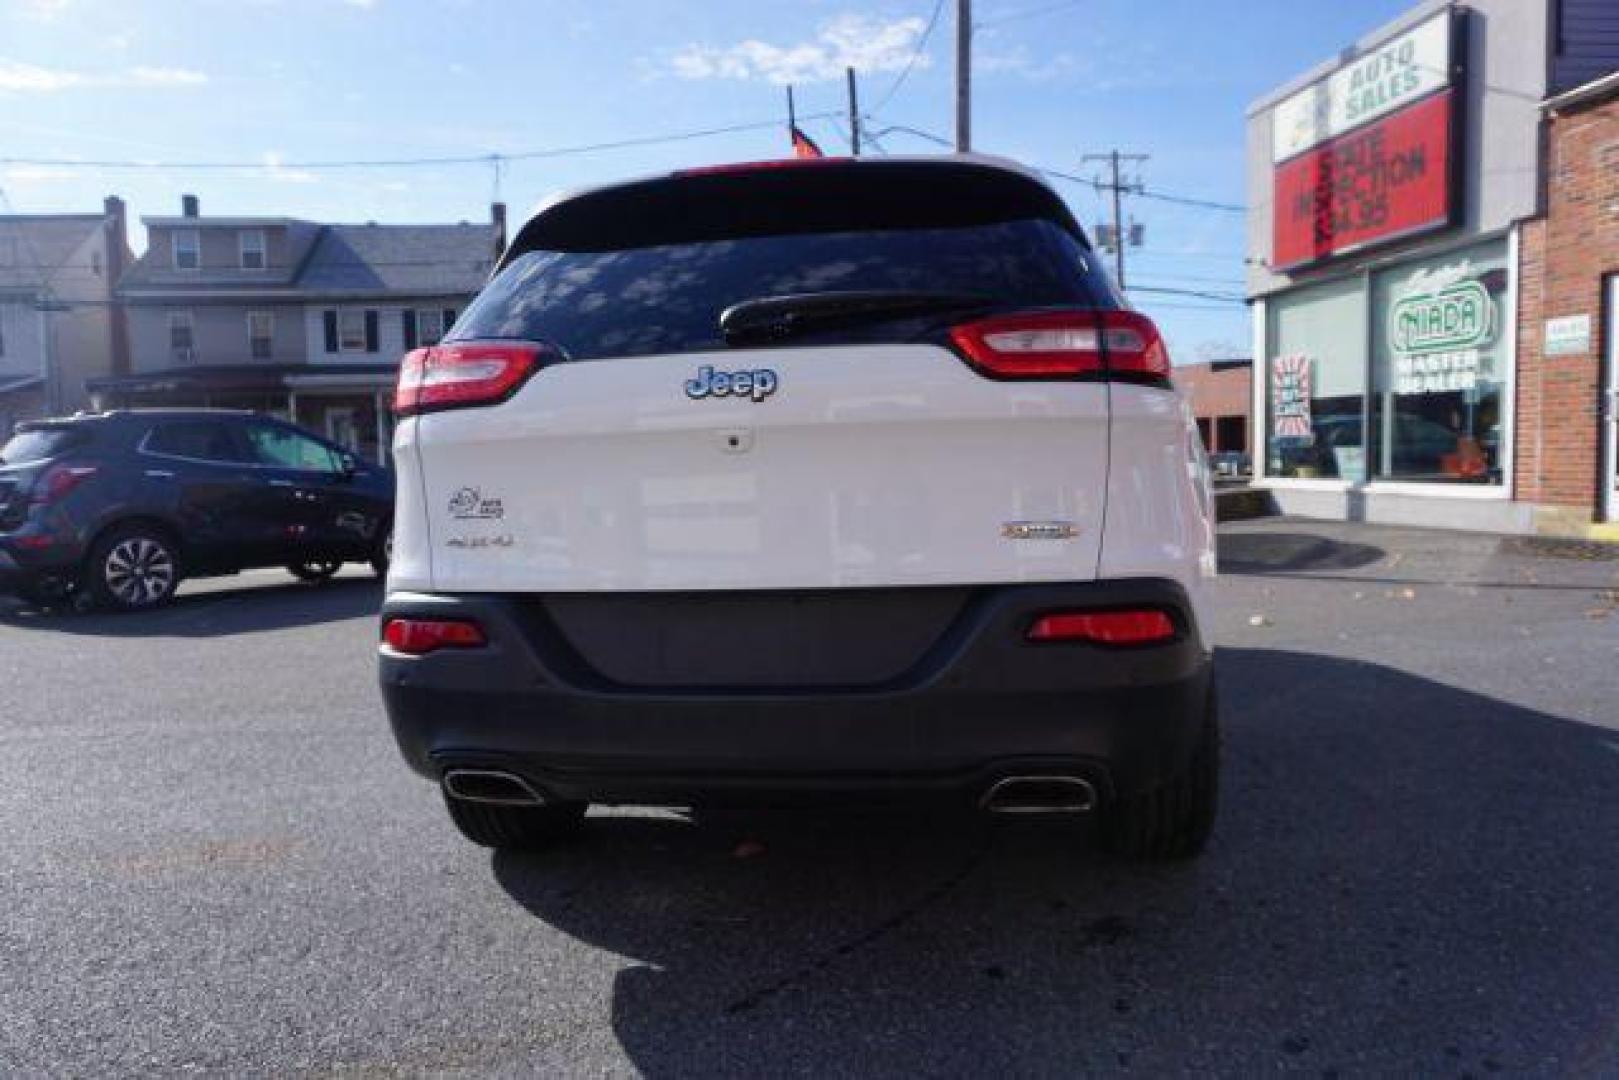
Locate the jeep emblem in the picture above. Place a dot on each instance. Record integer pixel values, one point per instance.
(757, 385)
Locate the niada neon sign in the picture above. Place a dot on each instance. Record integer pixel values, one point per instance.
(1458, 316)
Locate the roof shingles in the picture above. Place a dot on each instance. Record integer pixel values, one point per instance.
(348, 261)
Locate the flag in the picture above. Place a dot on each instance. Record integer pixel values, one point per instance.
(803, 145)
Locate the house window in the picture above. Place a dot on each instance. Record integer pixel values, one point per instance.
(429, 327)
(187, 249)
(182, 336)
(260, 331)
(351, 330)
(252, 246)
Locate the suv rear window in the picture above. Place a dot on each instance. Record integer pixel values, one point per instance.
(668, 299)
(38, 444)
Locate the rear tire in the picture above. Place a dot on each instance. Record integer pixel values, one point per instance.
(384, 553)
(314, 569)
(132, 568)
(1173, 821)
(516, 828)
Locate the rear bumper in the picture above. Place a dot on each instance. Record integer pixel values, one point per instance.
(35, 550)
(979, 704)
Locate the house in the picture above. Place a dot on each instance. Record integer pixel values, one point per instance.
(299, 319)
(59, 324)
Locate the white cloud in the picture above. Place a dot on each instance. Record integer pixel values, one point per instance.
(44, 10)
(367, 4)
(164, 76)
(858, 41)
(274, 169)
(32, 79)
(19, 78)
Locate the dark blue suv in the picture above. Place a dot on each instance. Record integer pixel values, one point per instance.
(114, 509)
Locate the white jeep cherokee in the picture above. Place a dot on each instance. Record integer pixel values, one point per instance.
(838, 480)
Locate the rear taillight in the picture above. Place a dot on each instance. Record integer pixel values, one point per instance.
(464, 374)
(58, 481)
(417, 637)
(1147, 627)
(1063, 344)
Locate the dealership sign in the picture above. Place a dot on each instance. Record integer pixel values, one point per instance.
(1437, 329)
(1380, 182)
(1364, 156)
(1459, 316)
(1386, 79)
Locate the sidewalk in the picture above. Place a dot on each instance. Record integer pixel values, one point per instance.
(1306, 546)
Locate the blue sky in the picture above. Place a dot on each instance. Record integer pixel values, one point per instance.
(277, 83)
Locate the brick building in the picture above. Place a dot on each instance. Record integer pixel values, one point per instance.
(1435, 222)
(1568, 326)
(1221, 394)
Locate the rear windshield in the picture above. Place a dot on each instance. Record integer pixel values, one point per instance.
(38, 444)
(668, 298)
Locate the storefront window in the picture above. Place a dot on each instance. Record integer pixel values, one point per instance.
(1439, 367)
(1316, 382)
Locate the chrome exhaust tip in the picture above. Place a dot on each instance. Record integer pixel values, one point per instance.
(490, 786)
(1039, 795)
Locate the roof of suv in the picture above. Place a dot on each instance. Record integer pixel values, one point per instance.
(114, 415)
(790, 195)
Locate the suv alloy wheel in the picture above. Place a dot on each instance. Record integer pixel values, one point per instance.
(133, 567)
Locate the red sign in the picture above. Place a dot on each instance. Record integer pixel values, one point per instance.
(1385, 180)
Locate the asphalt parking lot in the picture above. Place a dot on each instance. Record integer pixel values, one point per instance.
(212, 859)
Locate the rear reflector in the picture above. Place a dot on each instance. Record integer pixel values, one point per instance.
(1104, 627)
(464, 374)
(416, 637)
(1057, 344)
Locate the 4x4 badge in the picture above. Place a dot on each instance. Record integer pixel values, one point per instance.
(757, 384)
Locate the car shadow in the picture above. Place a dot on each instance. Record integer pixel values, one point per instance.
(1406, 878)
(1287, 553)
(214, 611)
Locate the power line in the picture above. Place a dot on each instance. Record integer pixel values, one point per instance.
(921, 46)
(937, 140)
(1162, 305)
(1171, 277)
(404, 163)
(1181, 200)
(1073, 178)
(1201, 294)
(1145, 193)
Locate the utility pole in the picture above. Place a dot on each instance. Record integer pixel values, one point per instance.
(854, 114)
(1118, 187)
(964, 76)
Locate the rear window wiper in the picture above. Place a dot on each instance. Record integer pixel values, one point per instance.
(772, 318)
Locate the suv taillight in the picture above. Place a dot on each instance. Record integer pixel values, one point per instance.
(1145, 627)
(57, 481)
(1063, 344)
(418, 637)
(464, 374)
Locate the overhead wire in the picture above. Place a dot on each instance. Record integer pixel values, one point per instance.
(916, 54)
